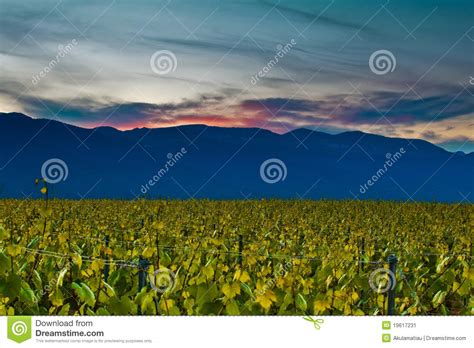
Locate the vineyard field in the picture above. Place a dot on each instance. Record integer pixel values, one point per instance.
(266, 257)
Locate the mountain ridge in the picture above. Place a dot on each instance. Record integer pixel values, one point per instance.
(225, 163)
(198, 125)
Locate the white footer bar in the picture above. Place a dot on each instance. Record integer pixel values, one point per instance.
(236, 332)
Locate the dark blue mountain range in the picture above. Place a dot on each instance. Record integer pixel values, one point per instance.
(225, 163)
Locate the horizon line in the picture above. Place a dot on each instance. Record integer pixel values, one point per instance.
(223, 127)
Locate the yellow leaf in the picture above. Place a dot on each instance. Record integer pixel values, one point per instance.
(166, 305)
(147, 252)
(107, 251)
(231, 290)
(241, 276)
(96, 265)
(185, 294)
(13, 250)
(208, 272)
(265, 300)
(237, 274)
(280, 282)
(244, 277)
(44, 190)
(347, 309)
(321, 305)
(62, 238)
(381, 301)
(3, 233)
(355, 296)
(77, 259)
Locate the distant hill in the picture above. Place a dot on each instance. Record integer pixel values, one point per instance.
(225, 163)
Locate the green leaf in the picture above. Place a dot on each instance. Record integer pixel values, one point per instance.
(89, 296)
(464, 289)
(102, 311)
(37, 280)
(56, 298)
(61, 275)
(12, 286)
(438, 298)
(79, 291)
(5, 264)
(246, 289)
(440, 266)
(64, 310)
(232, 308)
(110, 290)
(301, 303)
(28, 296)
(206, 294)
(3, 233)
(165, 259)
(122, 306)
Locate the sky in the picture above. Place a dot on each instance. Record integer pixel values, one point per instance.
(396, 68)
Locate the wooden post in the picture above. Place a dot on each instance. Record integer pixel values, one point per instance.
(142, 270)
(157, 244)
(107, 266)
(392, 265)
(361, 262)
(241, 247)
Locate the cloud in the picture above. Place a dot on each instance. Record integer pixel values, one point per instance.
(311, 17)
(95, 112)
(377, 107)
(279, 104)
(221, 45)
